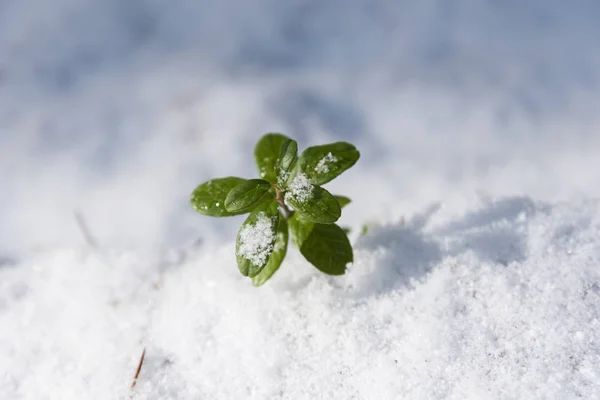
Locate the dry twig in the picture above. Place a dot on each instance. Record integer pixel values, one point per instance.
(139, 368)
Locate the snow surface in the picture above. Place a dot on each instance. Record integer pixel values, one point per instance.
(502, 302)
(477, 124)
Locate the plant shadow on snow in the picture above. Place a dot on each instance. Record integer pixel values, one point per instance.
(403, 254)
(496, 233)
(407, 252)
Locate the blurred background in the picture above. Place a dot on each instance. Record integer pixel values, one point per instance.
(118, 109)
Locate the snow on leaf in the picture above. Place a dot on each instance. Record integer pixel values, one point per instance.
(323, 164)
(300, 189)
(256, 240)
(282, 177)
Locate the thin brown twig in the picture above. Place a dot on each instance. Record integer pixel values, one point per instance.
(139, 368)
(84, 228)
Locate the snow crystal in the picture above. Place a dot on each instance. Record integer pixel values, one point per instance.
(300, 188)
(256, 241)
(323, 164)
(283, 176)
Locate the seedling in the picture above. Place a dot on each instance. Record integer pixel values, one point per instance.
(286, 199)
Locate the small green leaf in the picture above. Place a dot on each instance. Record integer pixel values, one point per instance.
(279, 252)
(247, 195)
(343, 200)
(288, 154)
(365, 229)
(323, 163)
(313, 202)
(209, 197)
(256, 239)
(266, 153)
(326, 246)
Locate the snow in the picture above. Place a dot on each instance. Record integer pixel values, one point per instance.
(323, 164)
(282, 177)
(256, 240)
(500, 302)
(300, 189)
(478, 279)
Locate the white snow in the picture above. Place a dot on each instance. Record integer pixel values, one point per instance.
(323, 164)
(478, 127)
(256, 240)
(282, 177)
(300, 189)
(500, 302)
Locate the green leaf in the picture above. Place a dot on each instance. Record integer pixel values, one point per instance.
(247, 195)
(312, 202)
(343, 200)
(300, 228)
(209, 197)
(256, 239)
(266, 153)
(326, 246)
(323, 163)
(288, 154)
(279, 252)
(365, 229)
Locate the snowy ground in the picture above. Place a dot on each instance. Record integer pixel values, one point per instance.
(478, 127)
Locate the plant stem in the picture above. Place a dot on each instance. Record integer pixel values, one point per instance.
(285, 210)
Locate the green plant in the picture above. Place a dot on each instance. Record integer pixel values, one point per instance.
(287, 198)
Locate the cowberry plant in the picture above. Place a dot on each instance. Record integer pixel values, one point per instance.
(287, 199)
